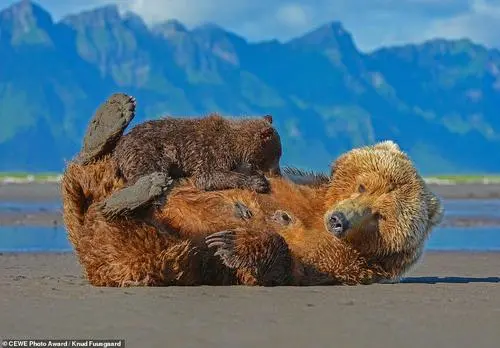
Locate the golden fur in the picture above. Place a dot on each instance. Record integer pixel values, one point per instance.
(173, 251)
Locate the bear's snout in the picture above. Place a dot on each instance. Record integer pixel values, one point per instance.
(338, 223)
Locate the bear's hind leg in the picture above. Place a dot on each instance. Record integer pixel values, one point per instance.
(107, 126)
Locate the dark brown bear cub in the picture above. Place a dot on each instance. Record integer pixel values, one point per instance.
(218, 153)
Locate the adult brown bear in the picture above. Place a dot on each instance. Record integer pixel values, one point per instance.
(366, 223)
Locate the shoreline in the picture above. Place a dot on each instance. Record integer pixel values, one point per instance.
(50, 191)
(466, 191)
(38, 219)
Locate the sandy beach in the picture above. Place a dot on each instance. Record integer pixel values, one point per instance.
(450, 300)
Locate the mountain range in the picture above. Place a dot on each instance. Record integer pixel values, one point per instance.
(438, 100)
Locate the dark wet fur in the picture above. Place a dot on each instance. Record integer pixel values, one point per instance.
(219, 153)
(212, 149)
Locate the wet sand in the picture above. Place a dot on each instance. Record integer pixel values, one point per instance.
(36, 192)
(30, 192)
(467, 191)
(450, 300)
(41, 218)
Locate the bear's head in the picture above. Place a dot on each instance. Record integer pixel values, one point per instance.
(260, 143)
(378, 203)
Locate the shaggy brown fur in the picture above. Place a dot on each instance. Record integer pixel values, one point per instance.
(252, 244)
(377, 189)
(215, 151)
(131, 252)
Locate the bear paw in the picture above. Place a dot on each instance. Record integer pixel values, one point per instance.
(225, 243)
(242, 211)
(130, 199)
(258, 183)
(107, 126)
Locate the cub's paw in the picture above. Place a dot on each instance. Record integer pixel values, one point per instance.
(282, 218)
(107, 126)
(258, 183)
(242, 211)
(140, 195)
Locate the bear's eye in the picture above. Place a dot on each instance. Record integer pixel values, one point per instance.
(361, 188)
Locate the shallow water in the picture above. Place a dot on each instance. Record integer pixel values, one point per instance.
(54, 239)
(50, 239)
(472, 208)
(30, 207)
(33, 239)
(465, 239)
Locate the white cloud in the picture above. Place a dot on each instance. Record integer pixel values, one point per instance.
(372, 22)
(481, 24)
(293, 15)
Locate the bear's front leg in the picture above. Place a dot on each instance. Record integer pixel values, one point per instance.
(327, 260)
(260, 258)
(131, 199)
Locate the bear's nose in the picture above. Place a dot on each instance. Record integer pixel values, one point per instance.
(338, 223)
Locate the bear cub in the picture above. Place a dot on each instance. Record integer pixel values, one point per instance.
(217, 153)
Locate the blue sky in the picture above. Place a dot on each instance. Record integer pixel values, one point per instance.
(373, 23)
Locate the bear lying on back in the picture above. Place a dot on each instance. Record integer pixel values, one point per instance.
(388, 210)
(218, 153)
(367, 222)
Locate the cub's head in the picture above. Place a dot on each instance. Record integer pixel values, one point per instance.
(378, 203)
(260, 144)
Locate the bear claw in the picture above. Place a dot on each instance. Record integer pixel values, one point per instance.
(107, 126)
(225, 242)
(242, 211)
(259, 184)
(221, 240)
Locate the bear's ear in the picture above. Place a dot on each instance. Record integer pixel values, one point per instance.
(269, 118)
(387, 145)
(266, 134)
(436, 211)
